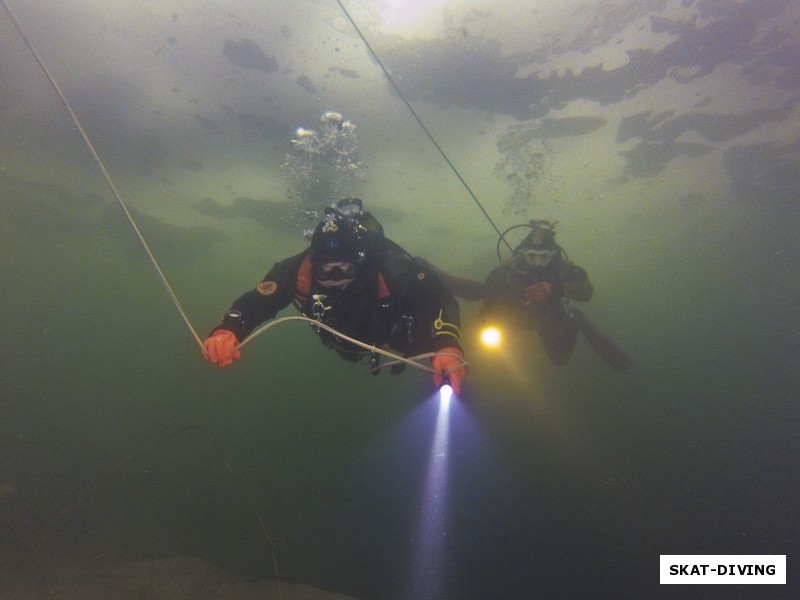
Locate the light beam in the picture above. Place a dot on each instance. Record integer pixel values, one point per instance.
(427, 578)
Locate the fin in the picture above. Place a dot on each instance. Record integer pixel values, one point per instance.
(603, 345)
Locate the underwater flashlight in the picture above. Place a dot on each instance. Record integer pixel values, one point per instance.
(490, 336)
(445, 393)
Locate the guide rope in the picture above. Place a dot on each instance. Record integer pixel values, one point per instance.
(106, 175)
(419, 120)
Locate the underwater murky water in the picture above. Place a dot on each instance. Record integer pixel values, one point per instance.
(663, 138)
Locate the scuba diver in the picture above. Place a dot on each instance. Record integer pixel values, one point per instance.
(357, 281)
(532, 289)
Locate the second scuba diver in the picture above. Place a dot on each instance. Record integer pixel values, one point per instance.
(532, 289)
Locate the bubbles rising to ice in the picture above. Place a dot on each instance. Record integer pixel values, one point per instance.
(321, 163)
(306, 141)
(523, 164)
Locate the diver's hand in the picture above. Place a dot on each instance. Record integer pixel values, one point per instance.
(221, 348)
(445, 359)
(538, 291)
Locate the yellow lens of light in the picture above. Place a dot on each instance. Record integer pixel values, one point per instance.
(490, 336)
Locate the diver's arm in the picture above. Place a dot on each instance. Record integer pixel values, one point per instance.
(575, 282)
(463, 288)
(262, 303)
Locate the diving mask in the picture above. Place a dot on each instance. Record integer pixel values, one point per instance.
(538, 257)
(333, 273)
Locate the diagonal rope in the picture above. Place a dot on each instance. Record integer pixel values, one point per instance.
(106, 175)
(418, 119)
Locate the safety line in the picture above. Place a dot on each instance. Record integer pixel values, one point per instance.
(418, 119)
(396, 358)
(106, 174)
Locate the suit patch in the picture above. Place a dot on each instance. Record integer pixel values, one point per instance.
(267, 288)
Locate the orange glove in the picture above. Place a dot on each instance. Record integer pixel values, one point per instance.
(221, 347)
(538, 291)
(444, 360)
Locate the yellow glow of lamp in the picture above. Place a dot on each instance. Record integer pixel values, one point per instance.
(490, 336)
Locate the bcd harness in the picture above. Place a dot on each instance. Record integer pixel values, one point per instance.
(322, 307)
(395, 325)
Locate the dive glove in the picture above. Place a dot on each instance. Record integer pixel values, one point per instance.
(538, 291)
(221, 347)
(445, 359)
